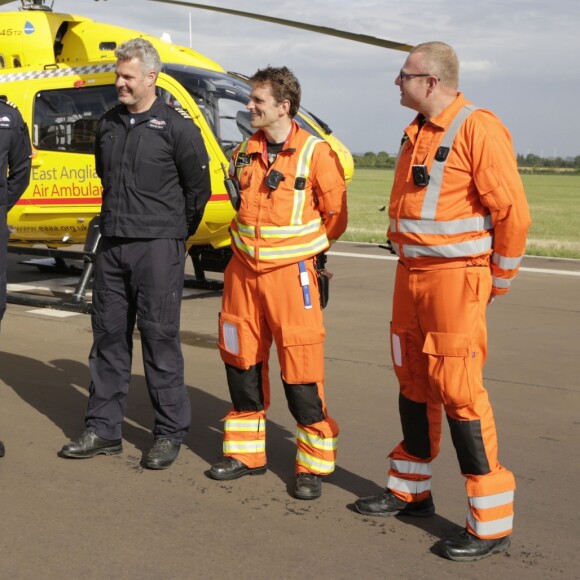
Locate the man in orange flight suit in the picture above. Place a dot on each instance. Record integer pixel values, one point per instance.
(458, 222)
(293, 205)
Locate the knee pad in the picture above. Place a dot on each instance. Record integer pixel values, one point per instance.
(415, 426)
(245, 387)
(469, 446)
(304, 403)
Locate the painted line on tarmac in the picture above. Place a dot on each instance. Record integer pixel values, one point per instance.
(52, 312)
(524, 269)
(54, 284)
(67, 286)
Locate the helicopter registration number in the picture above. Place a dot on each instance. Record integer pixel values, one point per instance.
(10, 32)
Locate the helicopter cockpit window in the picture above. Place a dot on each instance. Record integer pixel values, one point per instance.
(66, 119)
(222, 99)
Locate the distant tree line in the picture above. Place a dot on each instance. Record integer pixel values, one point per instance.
(529, 162)
(380, 160)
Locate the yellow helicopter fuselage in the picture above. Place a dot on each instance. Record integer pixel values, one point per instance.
(59, 70)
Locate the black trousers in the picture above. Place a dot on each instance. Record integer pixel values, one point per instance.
(4, 235)
(137, 280)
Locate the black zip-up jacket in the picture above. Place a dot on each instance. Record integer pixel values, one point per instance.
(15, 155)
(155, 173)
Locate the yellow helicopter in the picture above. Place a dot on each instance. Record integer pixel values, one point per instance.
(59, 70)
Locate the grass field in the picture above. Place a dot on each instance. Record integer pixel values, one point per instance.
(554, 204)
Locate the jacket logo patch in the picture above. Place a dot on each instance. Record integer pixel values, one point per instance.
(5, 122)
(242, 159)
(157, 124)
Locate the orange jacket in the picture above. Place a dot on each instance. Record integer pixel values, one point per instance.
(299, 218)
(476, 208)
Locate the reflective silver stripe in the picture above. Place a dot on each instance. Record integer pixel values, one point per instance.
(403, 143)
(461, 226)
(503, 525)
(411, 467)
(501, 282)
(290, 231)
(241, 246)
(408, 486)
(310, 462)
(437, 167)
(313, 247)
(492, 501)
(302, 170)
(459, 250)
(505, 263)
(258, 425)
(245, 230)
(396, 248)
(257, 446)
(57, 72)
(328, 444)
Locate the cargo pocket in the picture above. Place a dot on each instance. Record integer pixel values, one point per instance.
(158, 313)
(448, 358)
(493, 193)
(231, 340)
(109, 312)
(171, 396)
(302, 356)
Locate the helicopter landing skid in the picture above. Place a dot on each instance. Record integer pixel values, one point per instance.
(82, 306)
(54, 265)
(205, 284)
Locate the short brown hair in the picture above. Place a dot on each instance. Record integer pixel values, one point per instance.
(285, 86)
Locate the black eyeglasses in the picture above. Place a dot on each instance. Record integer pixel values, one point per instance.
(403, 76)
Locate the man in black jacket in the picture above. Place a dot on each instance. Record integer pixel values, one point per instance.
(154, 169)
(15, 164)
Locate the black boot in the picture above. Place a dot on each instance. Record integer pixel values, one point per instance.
(388, 504)
(230, 468)
(2, 450)
(308, 486)
(465, 547)
(163, 453)
(89, 445)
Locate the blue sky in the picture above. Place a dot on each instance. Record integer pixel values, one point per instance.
(519, 58)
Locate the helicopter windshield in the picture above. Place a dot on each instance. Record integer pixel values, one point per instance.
(222, 99)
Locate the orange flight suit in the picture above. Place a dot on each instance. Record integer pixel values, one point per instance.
(460, 239)
(266, 296)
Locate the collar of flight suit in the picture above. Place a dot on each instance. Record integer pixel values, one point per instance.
(155, 110)
(441, 121)
(257, 143)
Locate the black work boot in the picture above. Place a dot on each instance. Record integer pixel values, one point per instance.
(308, 486)
(230, 468)
(465, 547)
(89, 445)
(388, 504)
(163, 453)
(2, 450)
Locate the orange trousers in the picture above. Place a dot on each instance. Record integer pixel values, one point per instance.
(257, 309)
(439, 347)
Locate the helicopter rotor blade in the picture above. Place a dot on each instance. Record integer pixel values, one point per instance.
(364, 38)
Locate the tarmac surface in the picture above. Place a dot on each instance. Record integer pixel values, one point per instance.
(109, 517)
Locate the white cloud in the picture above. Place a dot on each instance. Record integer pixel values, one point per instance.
(476, 66)
(519, 57)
